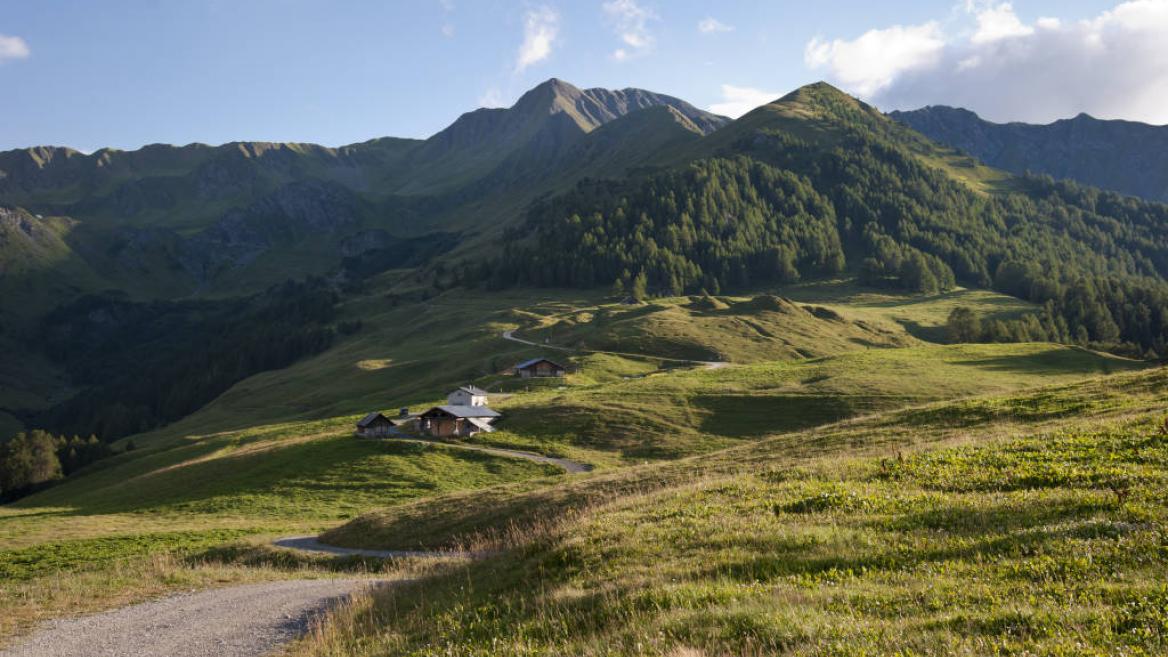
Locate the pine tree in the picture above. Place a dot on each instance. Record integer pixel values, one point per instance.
(640, 286)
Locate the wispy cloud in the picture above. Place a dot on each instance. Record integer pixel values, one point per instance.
(1110, 65)
(492, 97)
(710, 25)
(631, 22)
(13, 47)
(737, 101)
(447, 28)
(541, 25)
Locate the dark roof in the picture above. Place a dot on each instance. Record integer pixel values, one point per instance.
(466, 411)
(528, 363)
(474, 390)
(369, 419)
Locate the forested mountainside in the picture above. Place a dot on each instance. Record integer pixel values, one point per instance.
(630, 191)
(817, 183)
(1123, 156)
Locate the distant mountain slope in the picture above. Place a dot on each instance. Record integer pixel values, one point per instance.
(165, 221)
(1124, 156)
(543, 125)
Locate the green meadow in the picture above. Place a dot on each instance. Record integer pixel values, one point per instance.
(1029, 523)
(781, 449)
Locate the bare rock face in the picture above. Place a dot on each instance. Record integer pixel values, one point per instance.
(294, 212)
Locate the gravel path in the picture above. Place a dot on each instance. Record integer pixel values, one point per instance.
(240, 621)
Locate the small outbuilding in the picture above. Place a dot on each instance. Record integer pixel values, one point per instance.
(539, 368)
(467, 396)
(450, 420)
(374, 424)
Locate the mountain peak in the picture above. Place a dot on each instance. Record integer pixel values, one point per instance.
(818, 93)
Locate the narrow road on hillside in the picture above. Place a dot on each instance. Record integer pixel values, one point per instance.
(708, 364)
(239, 621)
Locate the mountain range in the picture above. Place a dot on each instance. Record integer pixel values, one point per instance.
(1124, 156)
(626, 189)
(205, 219)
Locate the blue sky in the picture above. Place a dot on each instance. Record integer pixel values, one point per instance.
(125, 73)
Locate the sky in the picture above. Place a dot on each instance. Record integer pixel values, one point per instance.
(124, 73)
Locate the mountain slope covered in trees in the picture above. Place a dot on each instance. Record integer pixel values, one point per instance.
(819, 182)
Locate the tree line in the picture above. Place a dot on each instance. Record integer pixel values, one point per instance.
(780, 208)
(142, 365)
(30, 461)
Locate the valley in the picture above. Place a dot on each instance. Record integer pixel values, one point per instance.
(830, 387)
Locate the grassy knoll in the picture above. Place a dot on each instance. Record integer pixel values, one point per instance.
(1032, 523)
(696, 410)
(923, 316)
(715, 329)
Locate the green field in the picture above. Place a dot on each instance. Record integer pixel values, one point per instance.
(1022, 524)
(819, 384)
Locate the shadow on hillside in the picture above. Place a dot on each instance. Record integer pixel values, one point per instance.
(265, 479)
(1002, 531)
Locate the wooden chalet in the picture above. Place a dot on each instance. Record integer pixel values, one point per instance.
(449, 421)
(539, 368)
(374, 424)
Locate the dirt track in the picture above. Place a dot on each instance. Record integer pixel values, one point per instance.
(240, 621)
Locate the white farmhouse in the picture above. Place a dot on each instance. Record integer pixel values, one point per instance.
(467, 396)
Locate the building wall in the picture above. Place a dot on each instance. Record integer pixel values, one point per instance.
(540, 370)
(464, 398)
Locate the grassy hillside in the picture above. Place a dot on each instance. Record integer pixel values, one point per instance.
(1021, 524)
(274, 454)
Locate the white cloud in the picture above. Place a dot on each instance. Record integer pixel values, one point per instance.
(1114, 65)
(540, 27)
(12, 47)
(709, 25)
(631, 23)
(737, 101)
(998, 22)
(872, 61)
(448, 30)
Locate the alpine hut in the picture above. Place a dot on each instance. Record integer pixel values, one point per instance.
(539, 368)
(450, 420)
(374, 424)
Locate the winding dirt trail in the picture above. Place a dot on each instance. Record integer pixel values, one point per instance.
(239, 621)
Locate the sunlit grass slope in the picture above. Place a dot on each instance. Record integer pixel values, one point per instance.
(686, 412)
(1032, 523)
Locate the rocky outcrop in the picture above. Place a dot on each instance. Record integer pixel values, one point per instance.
(296, 211)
